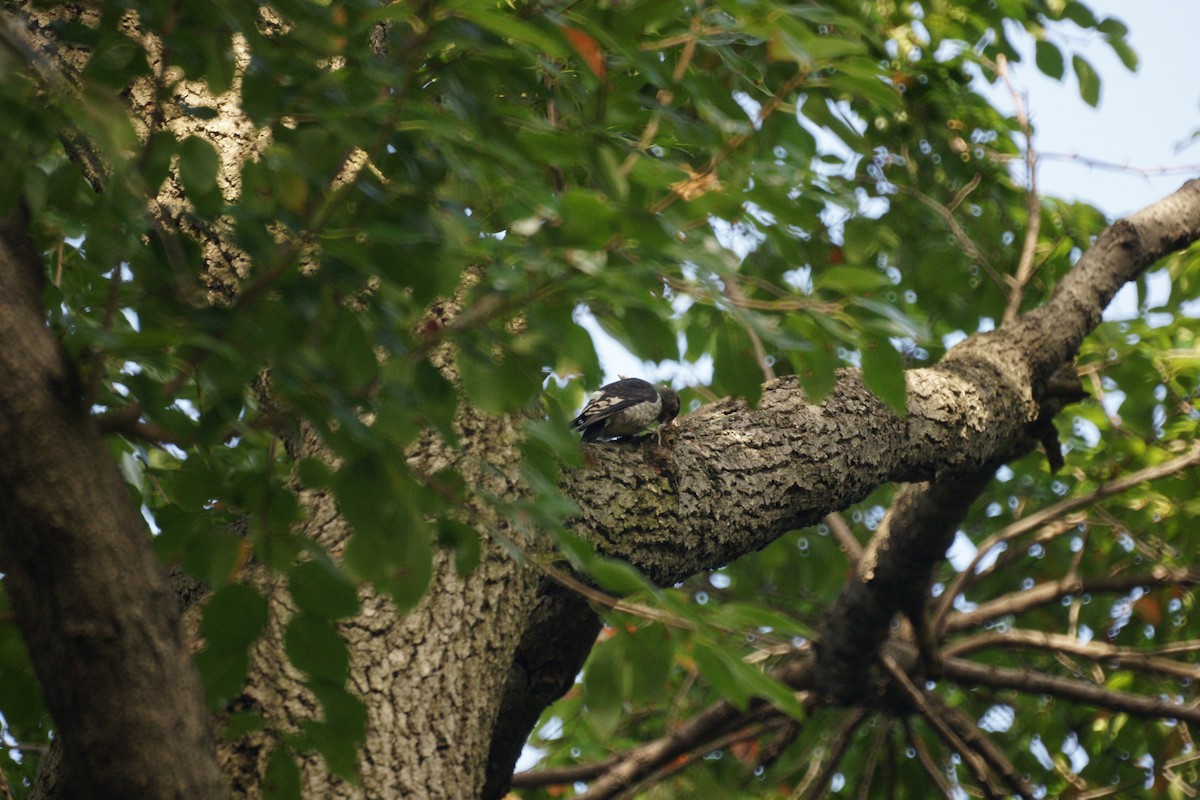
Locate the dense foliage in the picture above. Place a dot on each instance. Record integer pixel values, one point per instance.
(773, 188)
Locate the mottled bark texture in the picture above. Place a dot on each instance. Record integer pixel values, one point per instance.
(89, 595)
(453, 687)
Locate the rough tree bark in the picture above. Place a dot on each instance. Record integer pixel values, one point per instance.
(454, 686)
(89, 595)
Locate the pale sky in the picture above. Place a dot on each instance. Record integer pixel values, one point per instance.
(1145, 119)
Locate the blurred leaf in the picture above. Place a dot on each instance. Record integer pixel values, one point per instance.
(464, 541)
(736, 369)
(883, 372)
(606, 682)
(314, 646)
(234, 616)
(198, 166)
(282, 778)
(1089, 81)
(1049, 59)
(319, 588)
(650, 658)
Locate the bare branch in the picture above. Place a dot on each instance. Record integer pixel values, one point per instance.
(965, 242)
(970, 733)
(968, 673)
(1049, 592)
(844, 536)
(927, 762)
(817, 779)
(1033, 202)
(920, 702)
(1062, 508)
(1097, 651)
(1096, 163)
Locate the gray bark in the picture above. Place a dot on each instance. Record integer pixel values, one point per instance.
(453, 686)
(89, 595)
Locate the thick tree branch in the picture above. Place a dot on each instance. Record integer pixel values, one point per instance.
(745, 476)
(1052, 333)
(893, 575)
(91, 598)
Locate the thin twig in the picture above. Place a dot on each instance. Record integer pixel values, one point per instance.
(736, 296)
(920, 704)
(1061, 508)
(965, 242)
(866, 775)
(643, 760)
(1096, 651)
(966, 728)
(844, 536)
(1033, 202)
(927, 762)
(816, 782)
(1052, 591)
(709, 172)
(1095, 163)
(968, 673)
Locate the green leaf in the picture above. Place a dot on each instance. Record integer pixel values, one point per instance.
(282, 778)
(1089, 81)
(321, 589)
(399, 564)
(1049, 59)
(242, 723)
(498, 386)
(717, 669)
(749, 617)
(852, 280)
(463, 540)
(316, 647)
(509, 26)
(198, 165)
(222, 673)
(738, 681)
(644, 330)
(618, 577)
(818, 372)
(1080, 14)
(233, 617)
(735, 364)
(883, 372)
(650, 655)
(341, 732)
(606, 680)
(1124, 52)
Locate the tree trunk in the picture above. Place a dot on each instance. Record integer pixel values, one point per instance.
(89, 595)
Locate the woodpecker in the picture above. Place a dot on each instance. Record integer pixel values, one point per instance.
(625, 408)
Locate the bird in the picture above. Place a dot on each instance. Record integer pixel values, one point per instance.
(626, 408)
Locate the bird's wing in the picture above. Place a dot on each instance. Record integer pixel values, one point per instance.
(613, 398)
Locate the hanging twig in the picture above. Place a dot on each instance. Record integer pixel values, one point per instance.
(1033, 202)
